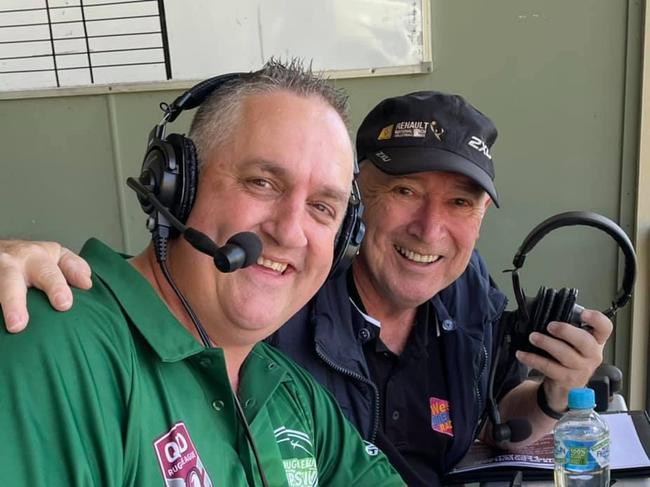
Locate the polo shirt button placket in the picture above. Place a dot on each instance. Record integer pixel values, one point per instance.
(217, 405)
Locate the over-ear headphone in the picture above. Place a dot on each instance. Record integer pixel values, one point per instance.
(171, 166)
(534, 314)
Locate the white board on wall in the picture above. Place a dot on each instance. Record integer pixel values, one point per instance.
(67, 43)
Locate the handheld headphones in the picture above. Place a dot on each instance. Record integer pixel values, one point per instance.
(534, 314)
(171, 165)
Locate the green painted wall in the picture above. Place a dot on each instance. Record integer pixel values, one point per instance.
(559, 78)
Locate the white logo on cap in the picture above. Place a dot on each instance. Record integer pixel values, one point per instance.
(383, 156)
(410, 129)
(437, 130)
(479, 145)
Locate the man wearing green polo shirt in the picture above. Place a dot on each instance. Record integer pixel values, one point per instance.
(120, 391)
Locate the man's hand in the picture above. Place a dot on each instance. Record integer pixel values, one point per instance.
(576, 352)
(44, 265)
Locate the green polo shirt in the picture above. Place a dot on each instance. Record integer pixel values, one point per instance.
(116, 392)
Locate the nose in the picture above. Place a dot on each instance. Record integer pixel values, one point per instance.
(286, 224)
(429, 222)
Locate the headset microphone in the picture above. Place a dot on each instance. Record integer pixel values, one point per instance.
(241, 250)
(513, 430)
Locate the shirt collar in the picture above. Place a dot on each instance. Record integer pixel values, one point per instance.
(138, 300)
(356, 301)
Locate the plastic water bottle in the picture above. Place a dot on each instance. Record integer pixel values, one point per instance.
(581, 444)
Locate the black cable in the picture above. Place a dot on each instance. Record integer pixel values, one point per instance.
(160, 246)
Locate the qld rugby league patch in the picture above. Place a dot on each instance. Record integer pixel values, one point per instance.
(179, 461)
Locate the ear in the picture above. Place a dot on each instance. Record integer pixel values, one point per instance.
(486, 204)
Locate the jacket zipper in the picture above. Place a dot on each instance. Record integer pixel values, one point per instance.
(359, 377)
(477, 389)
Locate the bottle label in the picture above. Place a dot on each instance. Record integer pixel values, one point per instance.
(582, 456)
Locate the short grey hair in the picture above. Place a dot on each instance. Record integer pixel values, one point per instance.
(217, 117)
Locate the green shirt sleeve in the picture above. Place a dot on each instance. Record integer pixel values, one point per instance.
(58, 427)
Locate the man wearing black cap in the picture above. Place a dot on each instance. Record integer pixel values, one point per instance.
(404, 341)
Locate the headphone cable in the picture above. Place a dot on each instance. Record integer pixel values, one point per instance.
(160, 246)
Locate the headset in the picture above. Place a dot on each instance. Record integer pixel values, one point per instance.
(534, 314)
(166, 190)
(171, 166)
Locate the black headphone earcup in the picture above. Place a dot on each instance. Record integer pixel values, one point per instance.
(564, 306)
(559, 304)
(349, 237)
(184, 170)
(190, 170)
(542, 311)
(156, 174)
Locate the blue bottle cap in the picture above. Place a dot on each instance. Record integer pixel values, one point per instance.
(582, 398)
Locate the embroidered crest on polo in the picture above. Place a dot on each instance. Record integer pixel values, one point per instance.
(299, 461)
(440, 418)
(179, 461)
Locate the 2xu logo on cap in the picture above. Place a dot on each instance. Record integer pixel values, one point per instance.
(479, 145)
(179, 461)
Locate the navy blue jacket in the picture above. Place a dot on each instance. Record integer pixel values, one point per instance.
(327, 335)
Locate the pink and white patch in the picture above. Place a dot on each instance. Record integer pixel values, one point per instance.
(179, 461)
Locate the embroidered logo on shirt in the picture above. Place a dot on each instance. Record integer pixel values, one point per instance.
(298, 457)
(179, 461)
(440, 419)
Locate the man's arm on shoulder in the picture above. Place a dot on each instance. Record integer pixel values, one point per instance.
(44, 265)
(61, 400)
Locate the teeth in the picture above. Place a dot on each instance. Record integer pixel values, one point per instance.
(271, 264)
(415, 257)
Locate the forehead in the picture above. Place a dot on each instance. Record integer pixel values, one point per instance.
(302, 134)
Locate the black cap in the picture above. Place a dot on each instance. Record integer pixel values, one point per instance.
(429, 131)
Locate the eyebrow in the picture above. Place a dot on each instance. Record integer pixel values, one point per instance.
(465, 184)
(327, 191)
(471, 187)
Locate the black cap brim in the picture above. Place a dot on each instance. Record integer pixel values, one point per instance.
(407, 160)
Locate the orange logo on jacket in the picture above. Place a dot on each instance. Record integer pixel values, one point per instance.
(440, 418)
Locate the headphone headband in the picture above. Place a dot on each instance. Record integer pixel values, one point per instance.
(590, 219)
(197, 94)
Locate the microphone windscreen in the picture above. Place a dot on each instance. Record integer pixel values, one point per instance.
(520, 429)
(250, 243)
